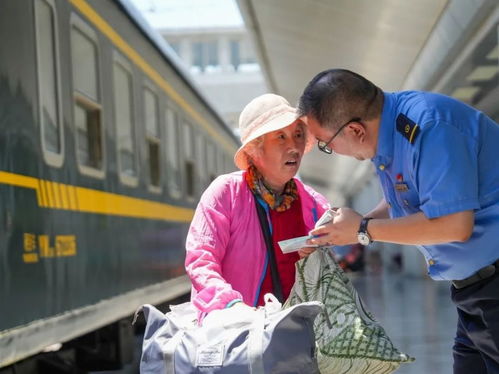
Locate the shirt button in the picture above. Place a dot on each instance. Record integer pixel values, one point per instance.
(406, 202)
(431, 262)
(381, 167)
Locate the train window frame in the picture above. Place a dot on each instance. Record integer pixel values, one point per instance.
(126, 65)
(220, 161)
(149, 86)
(200, 158)
(211, 161)
(52, 158)
(189, 159)
(84, 101)
(174, 192)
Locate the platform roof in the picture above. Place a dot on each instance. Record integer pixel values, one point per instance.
(295, 39)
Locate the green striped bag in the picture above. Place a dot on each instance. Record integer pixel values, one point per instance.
(348, 339)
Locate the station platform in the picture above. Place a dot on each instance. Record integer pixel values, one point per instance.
(417, 315)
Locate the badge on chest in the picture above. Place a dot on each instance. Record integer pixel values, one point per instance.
(400, 185)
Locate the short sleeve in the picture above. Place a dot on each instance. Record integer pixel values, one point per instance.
(446, 170)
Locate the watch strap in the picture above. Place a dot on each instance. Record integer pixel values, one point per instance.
(363, 224)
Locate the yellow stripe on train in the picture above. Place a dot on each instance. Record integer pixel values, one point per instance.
(54, 195)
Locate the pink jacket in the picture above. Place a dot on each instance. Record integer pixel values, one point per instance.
(226, 251)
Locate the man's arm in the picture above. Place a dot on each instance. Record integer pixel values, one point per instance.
(415, 229)
(380, 211)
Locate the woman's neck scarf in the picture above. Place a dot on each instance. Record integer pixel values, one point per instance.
(278, 202)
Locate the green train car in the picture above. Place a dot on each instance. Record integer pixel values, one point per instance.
(105, 148)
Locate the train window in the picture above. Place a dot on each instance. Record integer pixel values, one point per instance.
(48, 82)
(201, 161)
(87, 107)
(211, 158)
(172, 150)
(123, 117)
(189, 161)
(152, 137)
(85, 66)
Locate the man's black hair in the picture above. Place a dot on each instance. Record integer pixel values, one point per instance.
(335, 96)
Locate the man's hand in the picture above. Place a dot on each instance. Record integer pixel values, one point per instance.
(341, 230)
(415, 229)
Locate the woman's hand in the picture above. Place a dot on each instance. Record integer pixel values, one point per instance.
(306, 251)
(241, 306)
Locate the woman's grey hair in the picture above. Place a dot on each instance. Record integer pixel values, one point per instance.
(336, 96)
(253, 149)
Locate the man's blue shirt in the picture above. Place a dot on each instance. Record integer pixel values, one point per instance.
(438, 155)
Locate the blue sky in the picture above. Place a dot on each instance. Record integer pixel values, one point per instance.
(178, 14)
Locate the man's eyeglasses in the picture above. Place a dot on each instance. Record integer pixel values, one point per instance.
(324, 146)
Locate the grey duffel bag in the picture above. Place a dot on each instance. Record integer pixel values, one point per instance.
(233, 340)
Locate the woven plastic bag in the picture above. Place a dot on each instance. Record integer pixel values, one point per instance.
(234, 340)
(348, 338)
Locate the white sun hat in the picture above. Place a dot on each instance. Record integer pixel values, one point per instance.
(264, 114)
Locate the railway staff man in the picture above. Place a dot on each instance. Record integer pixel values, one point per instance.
(436, 159)
(227, 257)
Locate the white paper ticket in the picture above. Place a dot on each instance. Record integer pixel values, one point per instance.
(325, 218)
(292, 245)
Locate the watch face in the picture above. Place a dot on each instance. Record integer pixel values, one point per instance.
(363, 238)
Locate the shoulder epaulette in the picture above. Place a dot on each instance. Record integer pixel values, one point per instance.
(407, 127)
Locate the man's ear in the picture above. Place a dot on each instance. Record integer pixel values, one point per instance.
(304, 119)
(358, 130)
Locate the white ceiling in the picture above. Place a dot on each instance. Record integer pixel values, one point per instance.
(296, 39)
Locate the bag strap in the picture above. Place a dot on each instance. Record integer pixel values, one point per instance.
(255, 343)
(276, 282)
(169, 349)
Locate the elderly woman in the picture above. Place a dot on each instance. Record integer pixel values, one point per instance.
(227, 255)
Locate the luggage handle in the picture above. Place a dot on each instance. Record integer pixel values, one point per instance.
(169, 351)
(255, 343)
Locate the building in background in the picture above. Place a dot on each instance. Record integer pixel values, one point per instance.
(215, 48)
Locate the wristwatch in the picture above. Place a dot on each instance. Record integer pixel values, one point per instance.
(363, 236)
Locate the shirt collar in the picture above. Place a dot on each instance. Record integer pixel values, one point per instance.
(384, 152)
